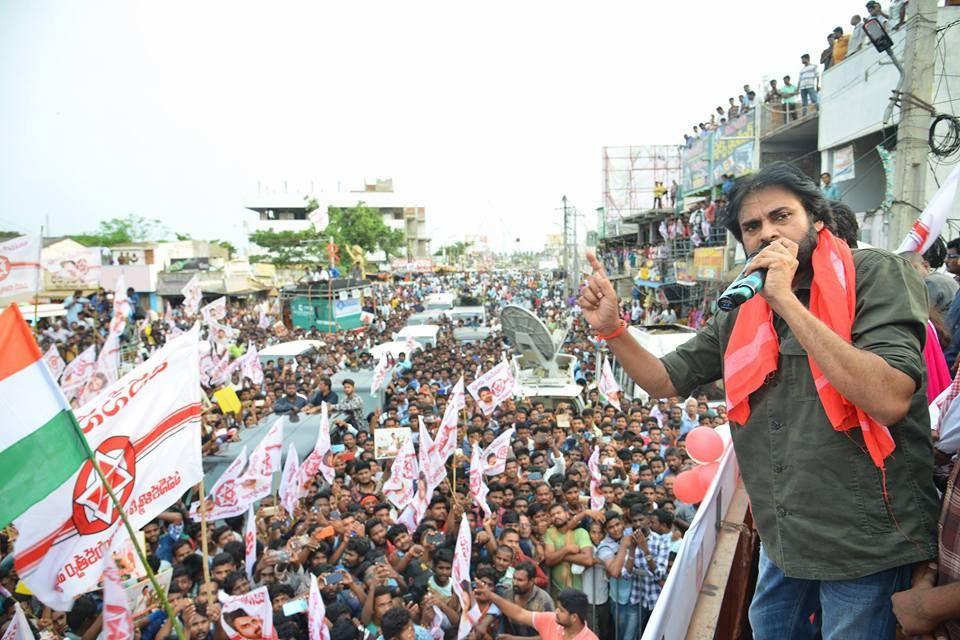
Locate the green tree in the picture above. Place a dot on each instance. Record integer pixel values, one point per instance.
(231, 250)
(454, 251)
(363, 226)
(290, 248)
(121, 230)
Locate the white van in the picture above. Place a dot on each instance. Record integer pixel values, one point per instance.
(440, 301)
(425, 334)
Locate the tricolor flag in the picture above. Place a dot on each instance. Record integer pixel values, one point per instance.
(19, 267)
(928, 226)
(40, 441)
(144, 431)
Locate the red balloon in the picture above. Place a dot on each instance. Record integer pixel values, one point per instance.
(704, 445)
(688, 487)
(706, 473)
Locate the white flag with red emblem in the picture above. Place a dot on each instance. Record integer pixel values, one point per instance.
(928, 226)
(431, 466)
(478, 488)
(316, 613)
(214, 312)
(19, 267)
(256, 482)
(460, 576)
(447, 434)
(608, 386)
(222, 499)
(77, 373)
(398, 488)
(105, 369)
(250, 366)
(192, 295)
(379, 374)
(289, 494)
(414, 512)
(144, 431)
(248, 616)
(117, 619)
(19, 628)
(316, 462)
(54, 362)
(121, 306)
(495, 456)
(250, 543)
(493, 387)
(596, 495)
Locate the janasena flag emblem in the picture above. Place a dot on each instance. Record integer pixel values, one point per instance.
(144, 431)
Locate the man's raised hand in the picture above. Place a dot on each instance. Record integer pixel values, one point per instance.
(598, 300)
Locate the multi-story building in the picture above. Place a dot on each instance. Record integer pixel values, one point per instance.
(285, 209)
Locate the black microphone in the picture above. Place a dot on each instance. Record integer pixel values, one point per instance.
(742, 288)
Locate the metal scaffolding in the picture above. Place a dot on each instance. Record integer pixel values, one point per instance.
(629, 176)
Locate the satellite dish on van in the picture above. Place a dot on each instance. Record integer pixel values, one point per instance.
(530, 337)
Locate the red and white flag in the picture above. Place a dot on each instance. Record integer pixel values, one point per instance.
(431, 466)
(478, 488)
(398, 488)
(192, 295)
(316, 462)
(608, 385)
(596, 495)
(460, 576)
(447, 434)
(19, 267)
(105, 369)
(380, 373)
(250, 366)
(54, 362)
(289, 493)
(250, 543)
(19, 628)
(495, 456)
(117, 619)
(413, 514)
(264, 320)
(930, 223)
(121, 306)
(316, 613)
(215, 312)
(248, 616)
(223, 498)
(144, 431)
(256, 483)
(77, 372)
(320, 218)
(493, 387)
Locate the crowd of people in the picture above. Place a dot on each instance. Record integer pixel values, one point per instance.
(542, 549)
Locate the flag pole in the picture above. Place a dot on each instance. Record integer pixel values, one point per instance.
(36, 292)
(132, 533)
(203, 537)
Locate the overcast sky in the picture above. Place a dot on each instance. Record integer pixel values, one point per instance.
(486, 116)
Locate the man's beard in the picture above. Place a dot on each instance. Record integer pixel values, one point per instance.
(805, 251)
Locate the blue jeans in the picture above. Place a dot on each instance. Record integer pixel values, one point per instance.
(856, 609)
(627, 619)
(808, 95)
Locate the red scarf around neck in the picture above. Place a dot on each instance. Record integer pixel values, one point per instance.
(753, 350)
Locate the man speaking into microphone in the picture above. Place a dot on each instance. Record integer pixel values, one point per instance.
(824, 377)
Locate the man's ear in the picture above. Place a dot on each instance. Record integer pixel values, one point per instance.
(818, 225)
